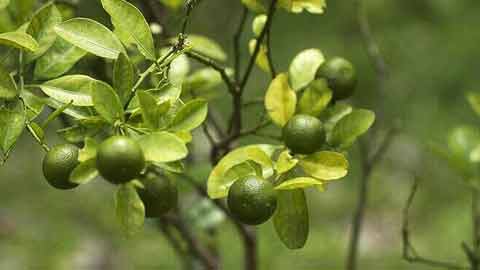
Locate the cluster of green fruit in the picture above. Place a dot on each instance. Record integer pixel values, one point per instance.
(253, 200)
(119, 160)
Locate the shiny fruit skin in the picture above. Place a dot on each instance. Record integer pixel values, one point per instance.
(252, 200)
(304, 134)
(120, 159)
(58, 164)
(159, 195)
(341, 77)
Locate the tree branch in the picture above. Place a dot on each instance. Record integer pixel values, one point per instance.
(236, 42)
(409, 252)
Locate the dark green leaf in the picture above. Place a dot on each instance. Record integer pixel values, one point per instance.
(123, 77)
(291, 218)
(12, 124)
(106, 102)
(84, 172)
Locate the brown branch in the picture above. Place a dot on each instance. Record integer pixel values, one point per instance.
(409, 252)
(260, 39)
(359, 214)
(236, 42)
(248, 235)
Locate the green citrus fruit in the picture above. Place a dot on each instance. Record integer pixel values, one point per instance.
(58, 164)
(159, 195)
(252, 200)
(120, 159)
(303, 134)
(340, 75)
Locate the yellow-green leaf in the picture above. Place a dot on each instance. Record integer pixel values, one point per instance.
(19, 40)
(301, 182)
(285, 162)
(325, 165)
(304, 67)
(280, 100)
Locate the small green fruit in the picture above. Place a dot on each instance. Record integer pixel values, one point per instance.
(159, 195)
(252, 200)
(120, 159)
(341, 77)
(58, 164)
(303, 134)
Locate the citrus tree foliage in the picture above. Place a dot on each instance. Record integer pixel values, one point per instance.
(153, 95)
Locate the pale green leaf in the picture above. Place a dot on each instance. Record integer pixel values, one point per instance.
(315, 98)
(333, 114)
(291, 218)
(325, 165)
(163, 147)
(304, 67)
(244, 169)
(201, 80)
(129, 19)
(58, 60)
(179, 69)
(207, 47)
(12, 124)
(190, 116)
(76, 88)
(89, 150)
(8, 88)
(90, 36)
(474, 100)
(300, 183)
(19, 40)
(4, 3)
(350, 127)
(84, 172)
(285, 162)
(42, 29)
(218, 184)
(280, 100)
(258, 24)
(106, 102)
(262, 57)
(130, 209)
(297, 6)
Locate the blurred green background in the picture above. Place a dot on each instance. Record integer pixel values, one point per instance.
(431, 48)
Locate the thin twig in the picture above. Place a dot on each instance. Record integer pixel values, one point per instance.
(409, 252)
(236, 42)
(260, 39)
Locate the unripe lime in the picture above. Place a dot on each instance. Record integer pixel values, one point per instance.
(159, 195)
(58, 164)
(340, 75)
(120, 159)
(303, 134)
(252, 200)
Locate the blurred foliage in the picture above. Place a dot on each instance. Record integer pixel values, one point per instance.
(430, 47)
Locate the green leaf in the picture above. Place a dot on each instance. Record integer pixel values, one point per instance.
(207, 47)
(285, 162)
(280, 100)
(78, 113)
(163, 147)
(300, 183)
(42, 29)
(297, 6)
(218, 184)
(325, 165)
(21, 10)
(90, 36)
(19, 40)
(262, 57)
(474, 100)
(244, 169)
(128, 19)
(89, 150)
(291, 218)
(130, 209)
(76, 88)
(350, 127)
(123, 77)
(255, 5)
(106, 102)
(462, 141)
(12, 124)
(58, 60)
(333, 114)
(191, 115)
(151, 109)
(4, 3)
(174, 4)
(179, 69)
(84, 172)
(315, 98)
(258, 24)
(304, 67)
(8, 88)
(34, 104)
(202, 80)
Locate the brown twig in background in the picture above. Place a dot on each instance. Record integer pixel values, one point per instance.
(409, 252)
